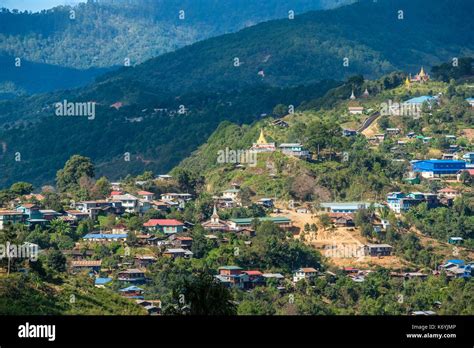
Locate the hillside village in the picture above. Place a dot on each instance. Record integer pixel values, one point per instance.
(375, 185)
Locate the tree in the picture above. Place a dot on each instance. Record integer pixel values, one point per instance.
(280, 110)
(56, 261)
(202, 295)
(21, 188)
(52, 201)
(77, 167)
(325, 221)
(465, 178)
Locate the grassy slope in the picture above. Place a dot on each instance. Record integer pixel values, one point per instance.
(21, 296)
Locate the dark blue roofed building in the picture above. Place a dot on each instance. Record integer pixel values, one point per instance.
(437, 168)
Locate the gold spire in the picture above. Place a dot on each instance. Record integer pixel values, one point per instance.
(407, 82)
(261, 139)
(422, 72)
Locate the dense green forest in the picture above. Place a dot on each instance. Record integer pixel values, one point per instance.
(64, 49)
(102, 34)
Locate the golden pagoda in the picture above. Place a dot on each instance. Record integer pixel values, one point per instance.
(407, 82)
(262, 145)
(421, 76)
(422, 73)
(261, 139)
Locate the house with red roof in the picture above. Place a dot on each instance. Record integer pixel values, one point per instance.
(167, 226)
(146, 196)
(448, 192)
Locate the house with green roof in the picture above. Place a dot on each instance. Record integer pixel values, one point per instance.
(241, 223)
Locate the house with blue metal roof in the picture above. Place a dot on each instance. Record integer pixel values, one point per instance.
(437, 168)
(420, 100)
(132, 292)
(105, 237)
(100, 282)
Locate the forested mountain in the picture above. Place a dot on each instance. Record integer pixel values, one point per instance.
(104, 34)
(33, 77)
(204, 81)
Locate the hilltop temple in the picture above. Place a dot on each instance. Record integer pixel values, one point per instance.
(420, 77)
(262, 145)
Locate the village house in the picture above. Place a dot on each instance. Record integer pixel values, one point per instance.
(377, 250)
(153, 307)
(234, 276)
(10, 217)
(419, 101)
(265, 202)
(78, 255)
(164, 177)
(248, 232)
(437, 168)
(101, 282)
(455, 240)
(355, 109)
(133, 292)
(129, 202)
(86, 265)
(98, 207)
(132, 275)
(176, 197)
(280, 123)
(346, 207)
(241, 223)
(143, 261)
(31, 214)
(162, 206)
(400, 202)
(77, 215)
(304, 273)
(456, 268)
(295, 150)
(342, 219)
(182, 242)
(146, 196)
(468, 157)
(166, 226)
(273, 278)
(178, 252)
(392, 131)
(231, 194)
(349, 132)
(49, 214)
(105, 237)
(449, 193)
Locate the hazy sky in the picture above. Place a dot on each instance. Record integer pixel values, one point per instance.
(36, 5)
